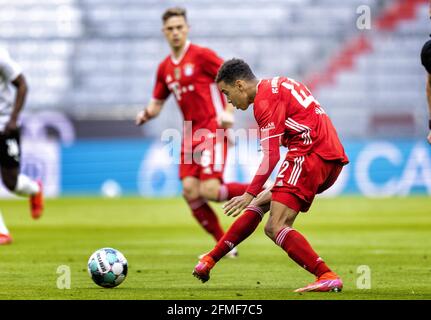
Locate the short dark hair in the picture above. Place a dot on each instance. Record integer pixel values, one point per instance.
(426, 56)
(174, 12)
(234, 69)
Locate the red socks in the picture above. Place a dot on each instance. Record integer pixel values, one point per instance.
(206, 217)
(229, 190)
(239, 230)
(296, 246)
(299, 250)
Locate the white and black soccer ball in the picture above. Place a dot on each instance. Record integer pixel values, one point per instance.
(107, 267)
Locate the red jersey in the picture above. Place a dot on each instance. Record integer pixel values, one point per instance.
(191, 79)
(287, 113)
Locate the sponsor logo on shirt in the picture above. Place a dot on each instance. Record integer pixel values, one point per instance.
(268, 127)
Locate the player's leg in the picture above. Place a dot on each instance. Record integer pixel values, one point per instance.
(17, 183)
(10, 178)
(13, 180)
(210, 183)
(243, 226)
(22, 185)
(215, 190)
(241, 229)
(5, 237)
(213, 165)
(294, 191)
(280, 229)
(203, 213)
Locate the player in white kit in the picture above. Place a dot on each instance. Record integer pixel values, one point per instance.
(10, 152)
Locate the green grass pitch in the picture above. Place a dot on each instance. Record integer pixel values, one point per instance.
(161, 241)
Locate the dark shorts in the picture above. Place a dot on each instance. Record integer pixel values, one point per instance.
(301, 178)
(10, 150)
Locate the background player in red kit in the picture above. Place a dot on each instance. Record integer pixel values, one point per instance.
(287, 114)
(189, 73)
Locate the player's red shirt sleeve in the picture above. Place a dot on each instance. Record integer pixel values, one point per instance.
(271, 125)
(211, 62)
(161, 91)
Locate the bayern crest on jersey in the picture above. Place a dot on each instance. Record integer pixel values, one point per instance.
(188, 69)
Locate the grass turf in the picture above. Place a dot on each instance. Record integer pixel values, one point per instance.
(161, 241)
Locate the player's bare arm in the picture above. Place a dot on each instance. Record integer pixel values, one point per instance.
(428, 90)
(151, 111)
(21, 92)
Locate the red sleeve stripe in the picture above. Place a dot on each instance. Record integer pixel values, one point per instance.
(300, 128)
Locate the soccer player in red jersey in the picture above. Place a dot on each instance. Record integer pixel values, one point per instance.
(288, 115)
(189, 73)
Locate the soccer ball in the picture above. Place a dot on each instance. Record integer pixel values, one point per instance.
(107, 267)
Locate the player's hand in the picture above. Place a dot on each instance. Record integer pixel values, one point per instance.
(226, 120)
(429, 137)
(235, 205)
(10, 127)
(142, 117)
